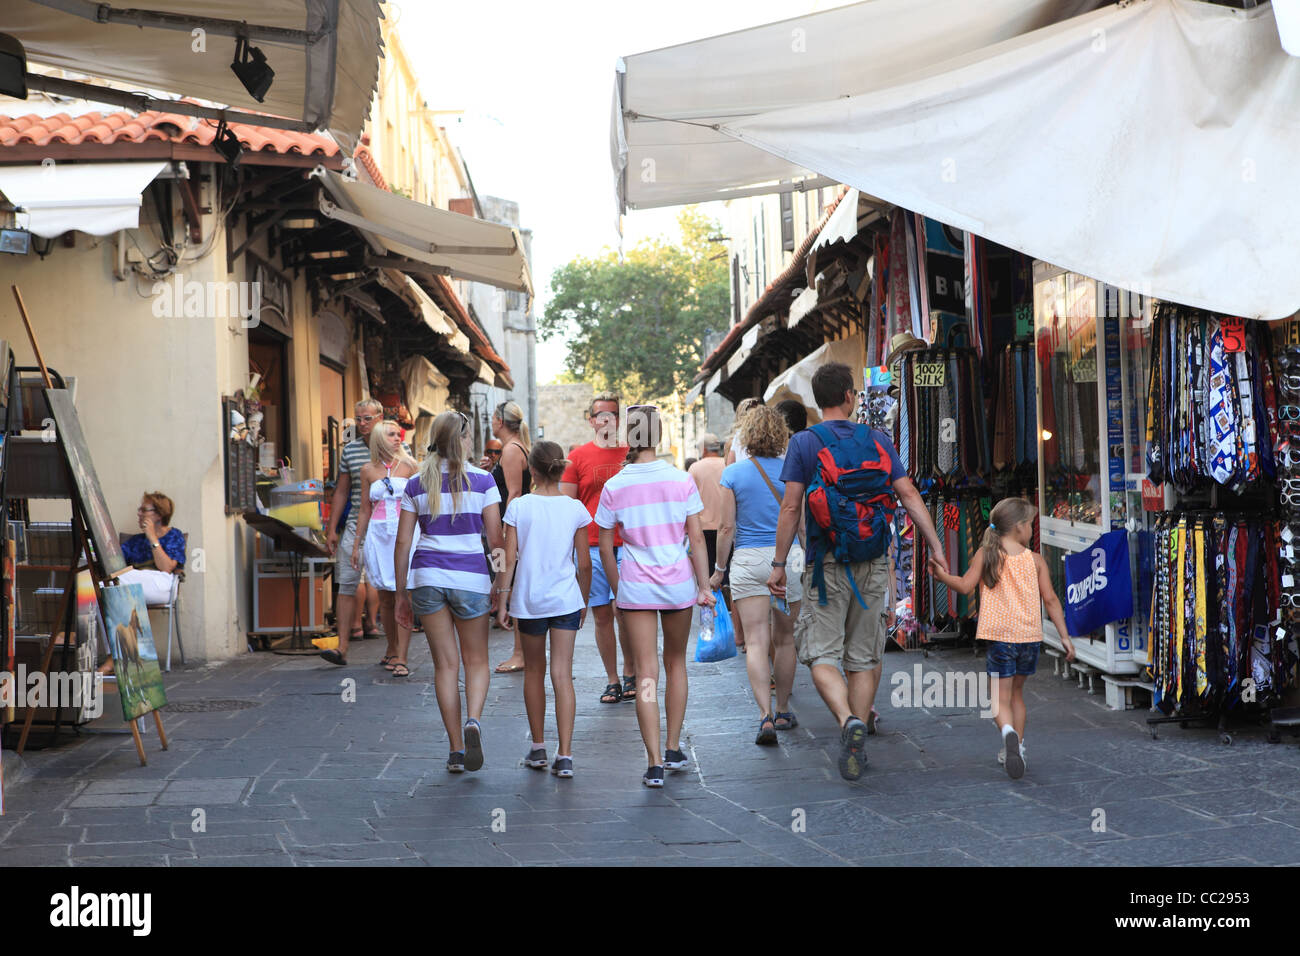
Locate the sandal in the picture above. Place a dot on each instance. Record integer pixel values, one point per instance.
(613, 694)
(334, 657)
(387, 661)
(629, 687)
(766, 732)
(400, 669)
(786, 721)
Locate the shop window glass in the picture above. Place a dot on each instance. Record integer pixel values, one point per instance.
(1066, 331)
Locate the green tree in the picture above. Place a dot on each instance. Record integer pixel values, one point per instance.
(636, 324)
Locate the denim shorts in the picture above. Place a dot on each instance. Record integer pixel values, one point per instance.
(464, 605)
(599, 584)
(540, 625)
(1013, 660)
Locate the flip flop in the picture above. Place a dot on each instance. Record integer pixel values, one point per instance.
(386, 661)
(400, 669)
(334, 657)
(503, 668)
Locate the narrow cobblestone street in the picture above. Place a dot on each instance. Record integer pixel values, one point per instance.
(287, 774)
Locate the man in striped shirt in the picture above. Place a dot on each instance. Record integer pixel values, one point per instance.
(355, 456)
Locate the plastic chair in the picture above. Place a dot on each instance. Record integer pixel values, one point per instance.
(172, 607)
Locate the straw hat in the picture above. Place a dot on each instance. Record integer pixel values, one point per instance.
(903, 342)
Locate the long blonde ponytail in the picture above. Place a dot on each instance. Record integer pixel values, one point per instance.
(1006, 514)
(513, 417)
(446, 446)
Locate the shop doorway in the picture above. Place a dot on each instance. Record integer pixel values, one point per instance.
(268, 356)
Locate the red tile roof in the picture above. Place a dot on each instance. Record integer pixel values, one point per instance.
(153, 126)
(366, 160)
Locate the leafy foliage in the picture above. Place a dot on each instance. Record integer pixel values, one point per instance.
(636, 324)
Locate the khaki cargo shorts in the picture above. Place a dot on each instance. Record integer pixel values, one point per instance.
(840, 633)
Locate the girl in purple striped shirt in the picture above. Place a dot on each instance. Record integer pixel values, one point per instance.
(450, 504)
(656, 507)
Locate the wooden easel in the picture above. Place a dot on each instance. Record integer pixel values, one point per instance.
(82, 538)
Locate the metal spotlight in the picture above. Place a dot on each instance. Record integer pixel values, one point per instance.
(13, 67)
(252, 69)
(227, 144)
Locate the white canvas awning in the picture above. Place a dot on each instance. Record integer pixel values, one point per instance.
(95, 198)
(447, 242)
(1151, 145)
(325, 53)
(421, 303)
(796, 381)
(667, 140)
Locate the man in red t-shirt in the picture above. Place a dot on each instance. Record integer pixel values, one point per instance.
(590, 466)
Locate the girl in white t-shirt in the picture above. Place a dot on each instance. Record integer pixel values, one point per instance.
(545, 530)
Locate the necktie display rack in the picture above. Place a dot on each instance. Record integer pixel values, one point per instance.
(943, 441)
(1015, 423)
(1224, 614)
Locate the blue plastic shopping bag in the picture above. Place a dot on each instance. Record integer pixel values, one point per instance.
(716, 639)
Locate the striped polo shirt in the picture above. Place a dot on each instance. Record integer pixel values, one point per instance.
(449, 553)
(651, 501)
(355, 456)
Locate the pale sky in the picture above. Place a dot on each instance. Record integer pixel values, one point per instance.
(535, 81)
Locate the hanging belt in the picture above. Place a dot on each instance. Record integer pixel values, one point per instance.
(905, 418)
(1199, 636)
(1008, 418)
(1180, 607)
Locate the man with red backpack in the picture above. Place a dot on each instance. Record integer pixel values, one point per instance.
(853, 480)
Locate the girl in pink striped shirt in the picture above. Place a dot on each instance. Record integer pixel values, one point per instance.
(656, 508)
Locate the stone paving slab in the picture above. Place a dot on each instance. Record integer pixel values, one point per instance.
(304, 779)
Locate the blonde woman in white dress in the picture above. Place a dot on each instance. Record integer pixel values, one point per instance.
(385, 478)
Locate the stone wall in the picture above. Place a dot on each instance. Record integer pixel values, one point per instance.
(562, 414)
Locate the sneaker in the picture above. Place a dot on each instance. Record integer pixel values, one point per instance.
(563, 767)
(1002, 756)
(456, 762)
(536, 758)
(473, 745)
(852, 761)
(675, 760)
(654, 777)
(871, 722)
(1014, 763)
(1023, 758)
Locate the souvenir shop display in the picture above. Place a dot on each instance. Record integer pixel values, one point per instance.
(1222, 619)
(942, 434)
(1221, 639)
(1212, 401)
(943, 443)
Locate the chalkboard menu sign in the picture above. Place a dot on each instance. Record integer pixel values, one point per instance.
(241, 463)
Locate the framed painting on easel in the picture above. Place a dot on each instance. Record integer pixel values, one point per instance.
(89, 493)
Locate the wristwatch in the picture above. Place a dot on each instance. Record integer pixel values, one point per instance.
(778, 564)
(157, 544)
(719, 567)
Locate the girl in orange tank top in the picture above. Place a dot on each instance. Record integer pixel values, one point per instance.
(1015, 584)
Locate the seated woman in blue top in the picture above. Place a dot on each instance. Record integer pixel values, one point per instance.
(158, 544)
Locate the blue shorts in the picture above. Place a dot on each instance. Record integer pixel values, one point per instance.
(599, 584)
(1013, 660)
(464, 605)
(538, 626)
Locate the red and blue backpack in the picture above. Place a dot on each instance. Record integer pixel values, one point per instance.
(850, 502)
